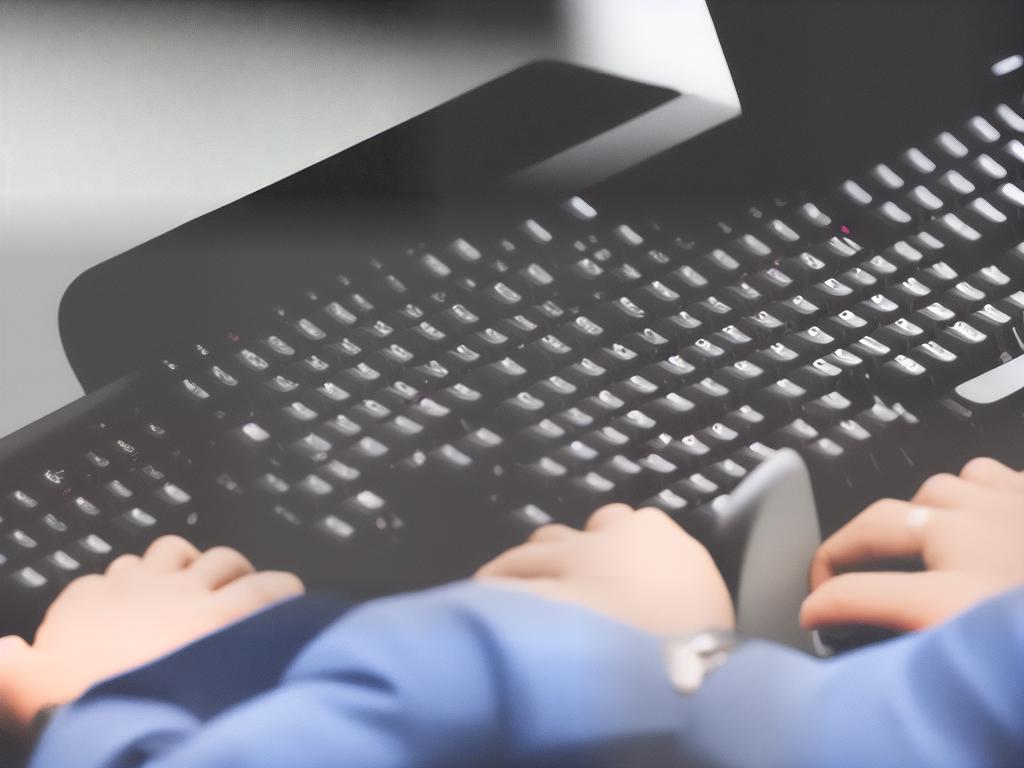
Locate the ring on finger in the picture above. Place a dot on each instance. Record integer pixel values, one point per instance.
(918, 517)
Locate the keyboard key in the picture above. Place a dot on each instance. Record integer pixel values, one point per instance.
(983, 130)
(918, 161)
(743, 376)
(607, 439)
(498, 378)
(901, 334)
(829, 409)
(528, 518)
(795, 435)
(586, 493)
(542, 473)
(726, 474)
(519, 411)
(697, 487)
(719, 261)
(951, 145)
(901, 377)
(673, 411)
(856, 193)
(784, 396)
(719, 437)
(635, 423)
(777, 358)
(688, 452)
(336, 528)
(86, 507)
(173, 495)
(365, 454)
(575, 419)
(580, 208)
(94, 545)
(819, 376)
(887, 177)
(582, 332)
(30, 578)
(669, 502)
(745, 420)
(539, 438)
(138, 519)
(797, 310)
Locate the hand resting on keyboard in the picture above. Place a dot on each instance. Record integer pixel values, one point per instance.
(967, 531)
(641, 568)
(140, 609)
(638, 567)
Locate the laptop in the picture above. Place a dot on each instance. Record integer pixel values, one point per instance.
(591, 275)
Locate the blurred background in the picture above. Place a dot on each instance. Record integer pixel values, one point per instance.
(122, 119)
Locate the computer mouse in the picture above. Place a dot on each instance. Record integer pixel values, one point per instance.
(766, 532)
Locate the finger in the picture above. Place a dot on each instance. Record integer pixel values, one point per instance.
(10, 648)
(553, 532)
(900, 601)
(993, 474)
(888, 529)
(170, 553)
(608, 515)
(258, 590)
(948, 491)
(220, 566)
(528, 561)
(122, 564)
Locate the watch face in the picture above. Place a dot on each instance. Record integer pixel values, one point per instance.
(685, 667)
(689, 659)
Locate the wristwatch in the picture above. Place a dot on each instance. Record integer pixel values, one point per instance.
(691, 658)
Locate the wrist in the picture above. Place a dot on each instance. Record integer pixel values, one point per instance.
(24, 694)
(15, 709)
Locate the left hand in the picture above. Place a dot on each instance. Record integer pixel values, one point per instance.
(638, 567)
(141, 609)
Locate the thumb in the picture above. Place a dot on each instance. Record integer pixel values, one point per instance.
(899, 601)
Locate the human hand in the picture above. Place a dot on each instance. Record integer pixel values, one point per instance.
(141, 609)
(967, 530)
(635, 566)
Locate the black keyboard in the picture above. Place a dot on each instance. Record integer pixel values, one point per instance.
(395, 428)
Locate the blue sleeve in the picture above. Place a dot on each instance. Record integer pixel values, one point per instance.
(950, 696)
(460, 676)
(475, 676)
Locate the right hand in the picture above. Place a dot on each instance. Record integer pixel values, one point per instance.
(140, 609)
(967, 530)
(638, 567)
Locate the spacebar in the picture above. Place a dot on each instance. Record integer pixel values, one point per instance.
(995, 386)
